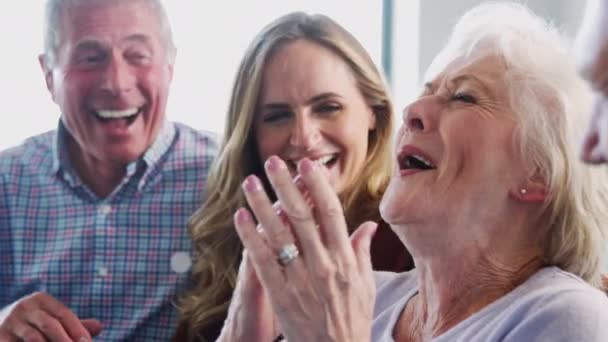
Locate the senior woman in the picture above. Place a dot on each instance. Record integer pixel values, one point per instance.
(502, 221)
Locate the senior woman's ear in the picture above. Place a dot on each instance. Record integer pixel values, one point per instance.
(532, 191)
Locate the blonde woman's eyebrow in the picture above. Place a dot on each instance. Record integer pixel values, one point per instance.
(323, 96)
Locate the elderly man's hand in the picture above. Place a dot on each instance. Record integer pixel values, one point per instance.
(319, 283)
(40, 317)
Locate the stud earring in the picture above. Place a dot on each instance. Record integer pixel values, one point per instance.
(523, 191)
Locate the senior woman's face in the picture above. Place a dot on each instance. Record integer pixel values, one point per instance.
(455, 153)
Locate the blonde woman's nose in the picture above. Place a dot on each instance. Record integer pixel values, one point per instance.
(305, 132)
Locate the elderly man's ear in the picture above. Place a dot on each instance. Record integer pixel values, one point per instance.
(48, 73)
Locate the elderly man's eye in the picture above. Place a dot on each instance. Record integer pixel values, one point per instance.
(464, 97)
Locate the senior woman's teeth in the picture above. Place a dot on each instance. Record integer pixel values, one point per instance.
(415, 161)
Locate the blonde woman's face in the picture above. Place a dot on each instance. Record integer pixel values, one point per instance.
(310, 107)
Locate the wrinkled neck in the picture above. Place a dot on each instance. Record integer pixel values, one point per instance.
(450, 292)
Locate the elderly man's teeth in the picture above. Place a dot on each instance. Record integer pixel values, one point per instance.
(117, 114)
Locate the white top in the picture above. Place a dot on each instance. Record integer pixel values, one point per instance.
(552, 305)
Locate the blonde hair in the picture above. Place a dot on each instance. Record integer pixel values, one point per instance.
(552, 103)
(215, 240)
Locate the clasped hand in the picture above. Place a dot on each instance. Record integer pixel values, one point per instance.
(325, 290)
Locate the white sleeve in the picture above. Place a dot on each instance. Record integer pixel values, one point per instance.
(575, 316)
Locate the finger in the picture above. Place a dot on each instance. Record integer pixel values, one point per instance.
(264, 314)
(295, 206)
(329, 209)
(297, 180)
(247, 283)
(48, 325)
(93, 326)
(26, 332)
(276, 232)
(262, 256)
(70, 322)
(361, 241)
(250, 316)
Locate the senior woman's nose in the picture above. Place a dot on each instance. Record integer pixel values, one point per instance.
(419, 116)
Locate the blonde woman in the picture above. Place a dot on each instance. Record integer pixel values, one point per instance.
(305, 89)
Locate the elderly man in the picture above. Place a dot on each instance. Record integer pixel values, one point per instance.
(592, 49)
(93, 215)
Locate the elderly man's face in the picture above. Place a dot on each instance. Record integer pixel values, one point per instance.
(111, 78)
(592, 49)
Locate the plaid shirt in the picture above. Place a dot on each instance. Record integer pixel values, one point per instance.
(105, 258)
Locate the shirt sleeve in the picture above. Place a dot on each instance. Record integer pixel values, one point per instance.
(577, 315)
(6, 248)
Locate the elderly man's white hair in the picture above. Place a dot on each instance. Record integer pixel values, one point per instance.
(551, 103)
(52, 23)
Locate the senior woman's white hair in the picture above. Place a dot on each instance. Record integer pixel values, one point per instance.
(552, 102)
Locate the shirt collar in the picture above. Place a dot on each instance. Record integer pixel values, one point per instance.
(61, 161)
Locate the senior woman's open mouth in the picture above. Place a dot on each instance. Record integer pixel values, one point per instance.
(412, 160)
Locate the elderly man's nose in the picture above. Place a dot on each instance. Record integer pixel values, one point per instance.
(118, 78)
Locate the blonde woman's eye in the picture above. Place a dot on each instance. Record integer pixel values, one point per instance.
(329, 108)
(275, 117)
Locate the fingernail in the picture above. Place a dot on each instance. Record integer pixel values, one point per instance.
(306, 166)
(303, 190)
(242, 216)
(252, 184)
(274, 163)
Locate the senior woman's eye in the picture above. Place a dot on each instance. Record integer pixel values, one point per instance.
(464, 97)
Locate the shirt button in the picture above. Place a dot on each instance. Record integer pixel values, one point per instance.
(105, 209)
(181, 262)
(102, 271)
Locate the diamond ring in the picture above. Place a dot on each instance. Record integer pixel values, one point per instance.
(288, 253)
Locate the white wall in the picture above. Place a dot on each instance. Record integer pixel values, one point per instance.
(437, 17)
(211, 37)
